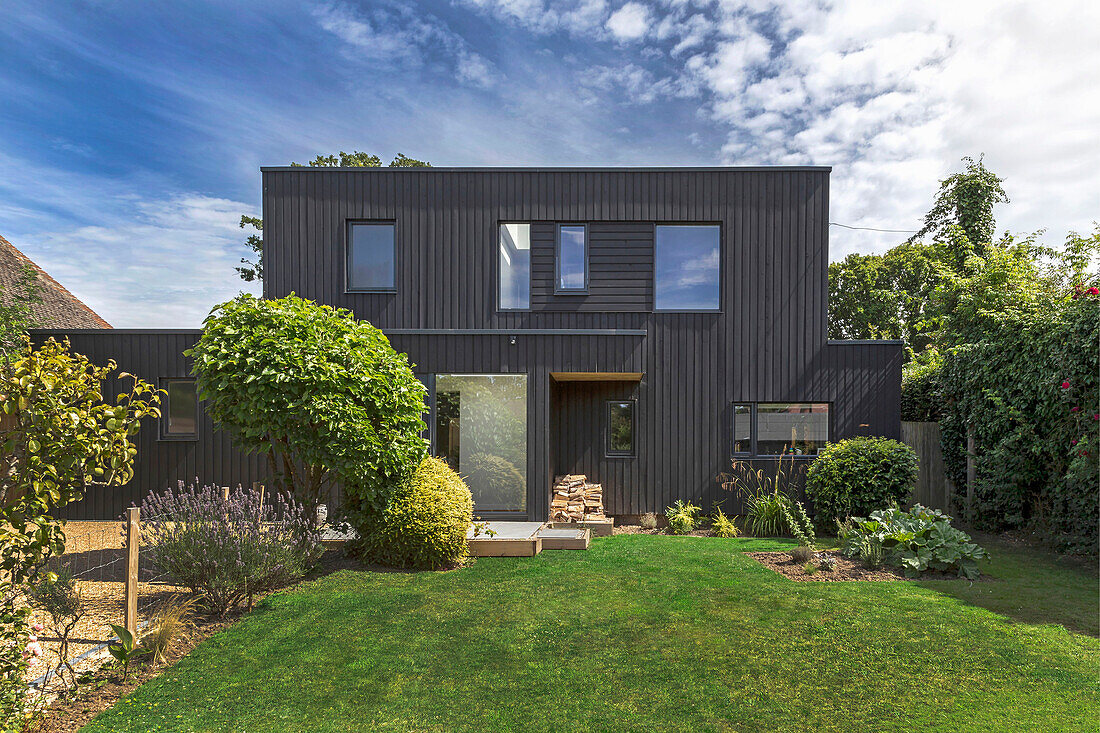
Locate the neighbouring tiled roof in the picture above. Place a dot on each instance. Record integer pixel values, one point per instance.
(58, 308)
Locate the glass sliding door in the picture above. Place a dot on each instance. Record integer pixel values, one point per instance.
(481, 430)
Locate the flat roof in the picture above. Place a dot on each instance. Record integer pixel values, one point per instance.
(561, 169)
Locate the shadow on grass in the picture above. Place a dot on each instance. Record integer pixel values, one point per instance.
(1037, 586)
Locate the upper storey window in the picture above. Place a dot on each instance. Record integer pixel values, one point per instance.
(515, 266)
(686, 261)
(572, 259)
(371, 257)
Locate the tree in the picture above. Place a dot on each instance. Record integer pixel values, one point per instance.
(60, 437)
(17, 313)
(323, 395)
(251, 271)
(891, 295)
(965, 200)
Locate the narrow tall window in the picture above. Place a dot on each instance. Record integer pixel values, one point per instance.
(742, 429)
(686, 267)
(572, 259)
(515, 266)
(620, 428)
(371, 257)
(180, 414)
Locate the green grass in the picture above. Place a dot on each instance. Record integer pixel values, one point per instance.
(647, 633)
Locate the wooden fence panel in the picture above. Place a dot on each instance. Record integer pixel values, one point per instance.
(933, 488)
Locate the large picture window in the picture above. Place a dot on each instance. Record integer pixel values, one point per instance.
(686, 267)
(371, 257)
(481, 431)
(515, 266)
(180, 411)
(780, 428)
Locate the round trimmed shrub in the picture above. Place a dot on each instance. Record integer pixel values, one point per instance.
(424, 522)
(857, 476)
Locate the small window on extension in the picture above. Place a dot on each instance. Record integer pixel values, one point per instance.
(742, 429)
(620, 428)
(180, 410)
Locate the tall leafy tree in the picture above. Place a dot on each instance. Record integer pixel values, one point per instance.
(965, 200)
(253, 270)
(891, 295)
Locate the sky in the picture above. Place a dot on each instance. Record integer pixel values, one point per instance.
(131, 133)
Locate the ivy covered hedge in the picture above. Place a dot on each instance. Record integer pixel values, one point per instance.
(921, 399)
(1031, 393)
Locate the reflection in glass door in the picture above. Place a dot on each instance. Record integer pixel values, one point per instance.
(481, 430)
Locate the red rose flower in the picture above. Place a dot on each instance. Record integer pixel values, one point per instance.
(1094, 291)
(1076, 409)
(1065, 385)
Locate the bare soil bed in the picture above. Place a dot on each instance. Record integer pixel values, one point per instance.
(846, 569)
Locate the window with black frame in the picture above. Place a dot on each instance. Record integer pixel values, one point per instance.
(620, 428)
(771, 429)
(371, 257)
(179, 410)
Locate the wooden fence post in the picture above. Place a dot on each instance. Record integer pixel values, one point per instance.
(225, 493)
(971, 473)
(257, 486)
(133, 540)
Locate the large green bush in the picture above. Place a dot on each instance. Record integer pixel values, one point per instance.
(323, 395)
(424, 523)
(857, 476)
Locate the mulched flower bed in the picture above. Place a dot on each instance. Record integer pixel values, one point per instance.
(846, 569)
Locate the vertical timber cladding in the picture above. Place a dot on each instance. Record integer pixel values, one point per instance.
(152, 356)
(767, 343)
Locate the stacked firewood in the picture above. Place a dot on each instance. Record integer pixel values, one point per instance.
(575, 499)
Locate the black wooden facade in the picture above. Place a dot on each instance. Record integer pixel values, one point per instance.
(766, 343)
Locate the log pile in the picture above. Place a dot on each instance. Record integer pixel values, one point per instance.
(576, 500)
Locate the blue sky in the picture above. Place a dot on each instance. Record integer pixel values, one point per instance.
(131, 133)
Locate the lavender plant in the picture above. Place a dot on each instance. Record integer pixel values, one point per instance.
(228, 551)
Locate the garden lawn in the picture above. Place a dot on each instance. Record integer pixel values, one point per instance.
(640, 633)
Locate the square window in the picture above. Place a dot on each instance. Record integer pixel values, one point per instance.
(687, 259)
(620, 428)
(371, 257)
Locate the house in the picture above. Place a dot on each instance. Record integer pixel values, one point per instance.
(642, 326)
(56, 306)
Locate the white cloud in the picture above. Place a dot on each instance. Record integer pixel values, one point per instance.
(146, 259)
(154, 263)
(893, 96)
(630, 22)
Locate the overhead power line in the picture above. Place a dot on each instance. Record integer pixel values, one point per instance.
(874, 229)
